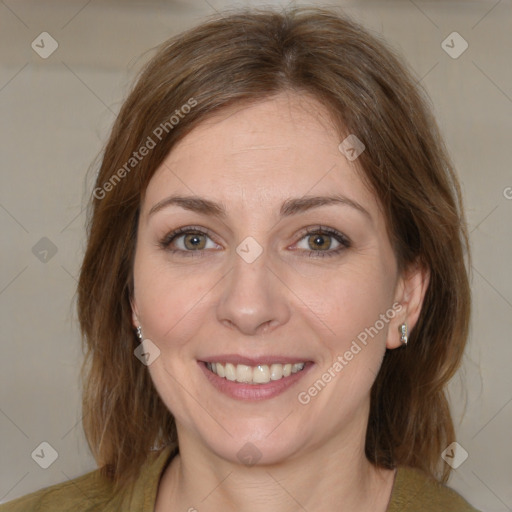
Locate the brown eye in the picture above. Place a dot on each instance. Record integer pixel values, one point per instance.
(194, 241)
(317, 241)
(188, 241)
(323, 241)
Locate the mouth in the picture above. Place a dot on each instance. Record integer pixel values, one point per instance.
(254, 379)
(255, 375)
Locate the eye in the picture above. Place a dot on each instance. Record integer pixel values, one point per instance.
(193, 241)
(322, 241)
(188, 240)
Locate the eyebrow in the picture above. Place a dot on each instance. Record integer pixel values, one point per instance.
(289, 207)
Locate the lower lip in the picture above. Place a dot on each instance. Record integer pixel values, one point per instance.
(250, 392)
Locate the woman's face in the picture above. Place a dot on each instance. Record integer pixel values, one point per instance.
(262, 277)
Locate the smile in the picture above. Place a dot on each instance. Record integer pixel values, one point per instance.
(260, 374)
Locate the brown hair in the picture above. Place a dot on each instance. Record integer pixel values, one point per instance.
(245, 57)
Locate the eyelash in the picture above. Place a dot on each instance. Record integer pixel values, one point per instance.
(317, 230)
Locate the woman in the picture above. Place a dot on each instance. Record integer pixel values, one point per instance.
(274, 293)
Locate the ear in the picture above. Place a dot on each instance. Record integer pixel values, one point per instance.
(410, 294)
(135, 313)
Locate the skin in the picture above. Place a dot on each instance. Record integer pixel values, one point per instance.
(251, 159)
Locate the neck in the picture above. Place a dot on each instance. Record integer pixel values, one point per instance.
(333, 476)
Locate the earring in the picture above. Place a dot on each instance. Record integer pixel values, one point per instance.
(402, 329)
(139, 332)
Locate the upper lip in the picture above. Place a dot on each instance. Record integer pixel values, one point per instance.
(253, 361)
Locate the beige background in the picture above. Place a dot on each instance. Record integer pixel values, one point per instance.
(55, 114)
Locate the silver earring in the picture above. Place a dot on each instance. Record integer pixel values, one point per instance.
(402, 329)
(139, 332)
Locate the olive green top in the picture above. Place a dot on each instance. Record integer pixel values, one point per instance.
(413, 491)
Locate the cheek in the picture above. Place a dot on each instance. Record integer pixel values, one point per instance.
(170, 302)
(357, 312)
(354, 307)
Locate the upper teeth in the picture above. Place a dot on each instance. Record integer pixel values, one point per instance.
(260, 374)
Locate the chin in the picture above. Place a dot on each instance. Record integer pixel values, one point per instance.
(259, 444)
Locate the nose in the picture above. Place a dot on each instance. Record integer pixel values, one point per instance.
(253, 299)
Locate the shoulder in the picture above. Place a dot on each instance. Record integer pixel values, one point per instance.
(415, 491)
(92, 491)
(85, 493)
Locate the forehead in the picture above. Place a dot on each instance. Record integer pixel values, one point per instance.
(258, 155)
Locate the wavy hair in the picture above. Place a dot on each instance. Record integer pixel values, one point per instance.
(240, 58)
